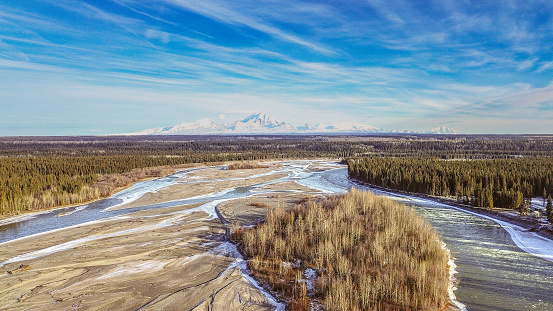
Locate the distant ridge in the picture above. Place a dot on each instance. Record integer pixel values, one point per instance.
(260, 123)
(442, 130)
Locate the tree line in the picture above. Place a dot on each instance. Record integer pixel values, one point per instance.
(43, 172)
(57, 175)
(506, 183)
(439, 146)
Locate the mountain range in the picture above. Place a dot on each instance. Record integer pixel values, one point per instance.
(260, 123)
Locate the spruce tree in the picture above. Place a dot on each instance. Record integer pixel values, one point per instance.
(524, 208)
(549, 210)
(489, 198)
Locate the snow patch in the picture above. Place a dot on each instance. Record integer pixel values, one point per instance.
(310, 276)
(452, 281)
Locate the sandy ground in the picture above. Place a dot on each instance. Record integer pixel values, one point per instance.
(169, 261)
(287, 186)
(172, 258)
(252, 210)
(213, 173)
(200, 187)
(162, 259)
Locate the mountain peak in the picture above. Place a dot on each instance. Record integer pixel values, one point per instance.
(442, 130)
(261, 123)
(257, 123)
(261, 118)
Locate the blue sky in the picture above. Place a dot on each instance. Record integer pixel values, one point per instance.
(101, 67)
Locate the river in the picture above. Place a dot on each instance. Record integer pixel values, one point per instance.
(493, 273)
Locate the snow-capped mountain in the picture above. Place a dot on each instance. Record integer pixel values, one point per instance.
(257, 123)
(344, 127)
(264, 120)
(404, 132)
(203, 126)
(442, 130)
(260, 123)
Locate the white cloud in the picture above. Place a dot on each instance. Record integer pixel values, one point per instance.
(158, 35)
(220, 11)
(387, 10)
(143, 13)
(545, 66)
(527, 64)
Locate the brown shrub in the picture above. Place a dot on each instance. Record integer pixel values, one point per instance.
(245, 166)
(370, 253)
(259, 205)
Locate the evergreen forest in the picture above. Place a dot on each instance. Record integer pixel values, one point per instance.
(44, 172)
(506, 183)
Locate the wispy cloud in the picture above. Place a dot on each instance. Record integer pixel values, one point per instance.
(511, 102)
(372, 61)
(126, 5)
(545, 66)
(388, 10)
(219, 10)
(527, 64)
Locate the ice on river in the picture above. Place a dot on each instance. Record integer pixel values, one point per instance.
(529, 242)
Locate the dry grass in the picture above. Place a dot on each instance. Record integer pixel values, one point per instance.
(259, 205)
(369, 253)
(245, 166)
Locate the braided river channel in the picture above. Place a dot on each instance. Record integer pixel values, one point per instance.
(498, 266)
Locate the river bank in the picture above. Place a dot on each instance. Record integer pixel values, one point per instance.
(171, 257)
(157, 247)
(107, 186)
(117, 183)
(492, 272)
(528, 223)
